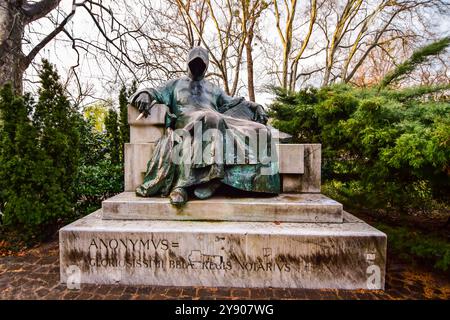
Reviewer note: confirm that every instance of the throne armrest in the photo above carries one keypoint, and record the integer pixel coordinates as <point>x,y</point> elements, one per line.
<point>300,167</point>
<point>156,117</point>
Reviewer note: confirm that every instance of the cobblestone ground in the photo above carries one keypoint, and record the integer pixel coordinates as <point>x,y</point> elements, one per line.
<point>35,275</point>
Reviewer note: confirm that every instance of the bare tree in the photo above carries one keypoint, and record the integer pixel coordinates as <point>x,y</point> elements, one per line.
<point>294,65</point>
<point>285,33</point>
<point>316,41</point>
<point>343,33</point>
<point>15,15</point>
<point>251,12</point>
<point>290,20</point>
<point>342,24</point>
<point>224,40</point>
<point>115,38</point>
<point>353,30</point>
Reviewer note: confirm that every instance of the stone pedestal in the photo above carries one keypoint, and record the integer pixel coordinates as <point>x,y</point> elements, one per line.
<point>299,239</point>
<point>283,208</point>
<point>347,255</point>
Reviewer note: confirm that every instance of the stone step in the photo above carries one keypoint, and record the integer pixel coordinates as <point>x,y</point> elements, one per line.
<point>309,207</point>
<point>348,255</point>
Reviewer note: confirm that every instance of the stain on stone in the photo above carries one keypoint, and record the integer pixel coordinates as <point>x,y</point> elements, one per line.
<point>173,255</point>
<point>235,239</point>
<point>77,257</point>
<point>290,197</point>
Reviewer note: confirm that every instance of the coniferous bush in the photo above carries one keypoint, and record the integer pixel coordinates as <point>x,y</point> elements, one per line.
<point>101,173</point>
<point>30,193</point>
<point>57,121</point>
<point>382,150</point>
<point>124,127</point>
<point>113,136</point>
<point>382,147</point>
<point>97,177</point>
<point>123,110</point>
<point>54,165</point>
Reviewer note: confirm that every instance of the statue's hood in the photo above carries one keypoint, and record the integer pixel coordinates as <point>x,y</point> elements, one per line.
<point>197,63</point>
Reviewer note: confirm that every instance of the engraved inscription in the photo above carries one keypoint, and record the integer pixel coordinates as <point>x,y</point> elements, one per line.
<point>162,253</point>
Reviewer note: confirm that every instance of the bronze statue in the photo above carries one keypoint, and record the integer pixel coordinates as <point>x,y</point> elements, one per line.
<point>197,108</point>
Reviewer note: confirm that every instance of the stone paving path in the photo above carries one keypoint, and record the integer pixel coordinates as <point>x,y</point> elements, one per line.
<point>35,275</point>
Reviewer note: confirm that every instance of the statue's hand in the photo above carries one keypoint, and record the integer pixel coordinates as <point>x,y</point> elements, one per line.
<point>143,102</point>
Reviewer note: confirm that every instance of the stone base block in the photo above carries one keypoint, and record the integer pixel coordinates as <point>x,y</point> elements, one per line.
<point>283,208</point>
<point>145,134</point>
<point>310,180</point>
<point>349,255</point>
<point>136,159</point>
<point>291,158</point>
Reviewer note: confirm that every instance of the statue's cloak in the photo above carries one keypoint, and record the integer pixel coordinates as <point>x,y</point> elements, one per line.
<point>195,106</point>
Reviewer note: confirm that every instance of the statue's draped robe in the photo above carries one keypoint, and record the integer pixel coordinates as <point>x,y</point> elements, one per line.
<point>193,102</point>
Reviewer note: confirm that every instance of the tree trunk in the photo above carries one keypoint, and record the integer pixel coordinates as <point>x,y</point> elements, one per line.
<point>327,74</point>
<point>11,33</point>
<point>293,76</point>
<point>286,52</point>
<point>250,81</point>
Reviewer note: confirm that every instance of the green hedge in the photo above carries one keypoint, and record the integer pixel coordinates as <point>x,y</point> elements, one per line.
<point>96,182</point>
<point>54,166</point>
<point>39,157</point>
<point>382,148</point>
<point>407,242</point>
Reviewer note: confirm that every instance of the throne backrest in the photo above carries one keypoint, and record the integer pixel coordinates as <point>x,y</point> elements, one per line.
<point>299,163</point>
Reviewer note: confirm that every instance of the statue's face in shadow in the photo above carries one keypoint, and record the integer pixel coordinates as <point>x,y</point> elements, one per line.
<point>197,68</point>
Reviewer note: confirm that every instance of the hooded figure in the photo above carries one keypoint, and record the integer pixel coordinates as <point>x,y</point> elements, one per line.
<point>198,61</point>
<point>211,139</point>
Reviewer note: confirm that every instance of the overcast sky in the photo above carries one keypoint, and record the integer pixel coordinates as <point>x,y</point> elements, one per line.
<point>96,74</point>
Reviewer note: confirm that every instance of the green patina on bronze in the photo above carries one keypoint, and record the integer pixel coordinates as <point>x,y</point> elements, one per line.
<point>190,100</point>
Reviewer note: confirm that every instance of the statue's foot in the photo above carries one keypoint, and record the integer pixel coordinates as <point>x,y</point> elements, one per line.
<point>206,190</point>
<point>178,197</point>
